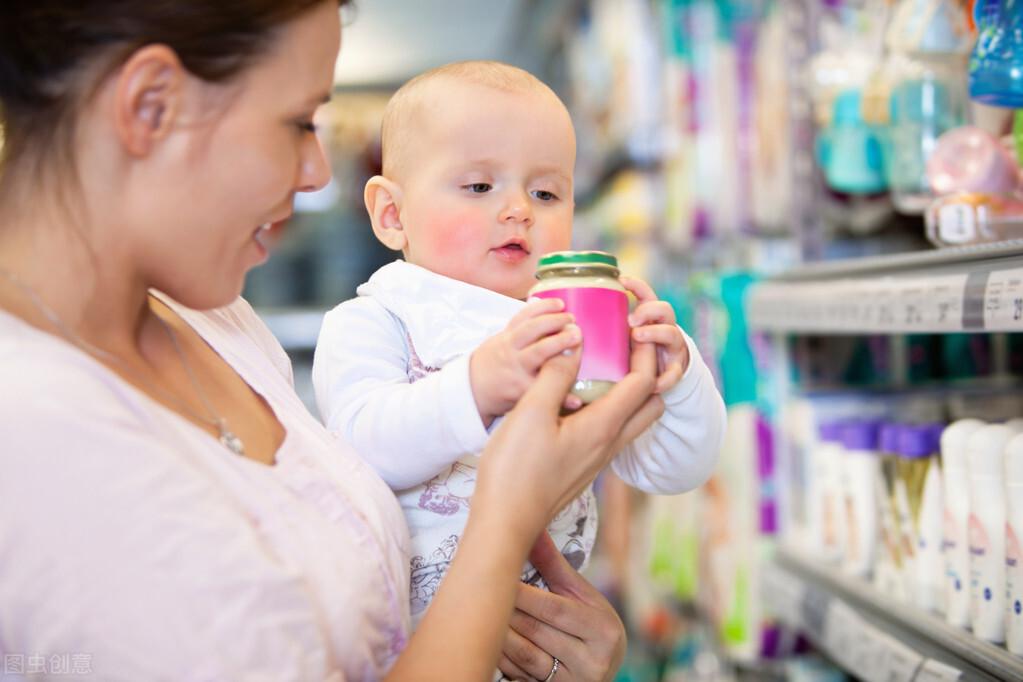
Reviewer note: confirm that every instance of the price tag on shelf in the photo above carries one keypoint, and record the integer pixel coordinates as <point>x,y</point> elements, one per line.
<point>842,630</point>
<point>943,302</point>
<point>1003,300</point>
<point>784,594</point>
<point>899,662</point>
<point>934,671</point>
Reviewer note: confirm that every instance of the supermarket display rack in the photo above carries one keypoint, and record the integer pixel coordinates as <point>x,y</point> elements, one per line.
<point>971,288</point>
<point>873,636</point>
<point>964,289</point>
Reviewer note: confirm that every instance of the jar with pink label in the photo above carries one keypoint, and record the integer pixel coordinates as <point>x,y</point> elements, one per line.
<point>587,281</point>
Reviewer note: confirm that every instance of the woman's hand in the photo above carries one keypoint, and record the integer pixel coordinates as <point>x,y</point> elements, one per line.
<point>572,622</point>
<point>537,462</point>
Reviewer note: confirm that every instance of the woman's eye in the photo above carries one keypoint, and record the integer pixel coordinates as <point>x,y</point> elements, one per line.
<point>307,126</point>
<point>478,187</point>
<point>544,195</point>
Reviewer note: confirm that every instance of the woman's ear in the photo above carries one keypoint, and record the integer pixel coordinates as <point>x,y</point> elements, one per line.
<point>383,202</point>
<point>147,97</point>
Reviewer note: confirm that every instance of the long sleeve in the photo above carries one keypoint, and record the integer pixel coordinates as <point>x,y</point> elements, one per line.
<point>679,451</point>
<point>408,432</point>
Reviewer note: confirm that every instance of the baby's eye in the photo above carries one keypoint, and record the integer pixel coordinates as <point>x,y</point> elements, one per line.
<point>307,126</point>
<point>544,195</point>
<point>478,187</point>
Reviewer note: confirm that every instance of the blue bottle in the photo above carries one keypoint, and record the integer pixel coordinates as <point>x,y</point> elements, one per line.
<point>996,65</point>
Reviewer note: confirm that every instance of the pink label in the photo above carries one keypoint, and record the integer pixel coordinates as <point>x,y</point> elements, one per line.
<point>602,315</point>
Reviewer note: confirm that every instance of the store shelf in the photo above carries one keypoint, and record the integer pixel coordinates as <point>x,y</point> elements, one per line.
<point>295,328</point>
<point>871,635</point>
<point>976,288</point>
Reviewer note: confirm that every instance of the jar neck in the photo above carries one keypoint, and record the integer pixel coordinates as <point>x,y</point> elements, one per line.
<point>577,271</point>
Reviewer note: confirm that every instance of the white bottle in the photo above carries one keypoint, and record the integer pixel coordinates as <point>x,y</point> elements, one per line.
<point>827,517</point>
<point>1013,459</point>
<point>956,500</point>
<point>930,563</point>
<point>860,466</point>
<point>985,462</point>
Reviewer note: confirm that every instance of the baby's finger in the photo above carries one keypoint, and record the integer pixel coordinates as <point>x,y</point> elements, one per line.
<point>667,336</point>
<point>528,331</point>
<point>652,312</point>
<point>640,289</point>
<point>537,306</point>
<point>671,375</point>
<point>534,355</point>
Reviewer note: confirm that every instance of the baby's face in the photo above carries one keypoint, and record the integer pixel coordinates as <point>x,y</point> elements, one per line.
<point>488,186</point>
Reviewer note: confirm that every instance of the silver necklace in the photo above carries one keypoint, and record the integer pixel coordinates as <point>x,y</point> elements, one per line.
<point>227,437</point>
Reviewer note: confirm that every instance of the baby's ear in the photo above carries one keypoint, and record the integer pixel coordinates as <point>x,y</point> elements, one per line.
<point>383,202</point>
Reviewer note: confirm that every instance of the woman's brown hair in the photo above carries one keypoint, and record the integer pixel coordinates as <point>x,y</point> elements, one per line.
<point>54,52</point>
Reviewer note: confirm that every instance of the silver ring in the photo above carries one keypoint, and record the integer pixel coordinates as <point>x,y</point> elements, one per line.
<point>554,669</point>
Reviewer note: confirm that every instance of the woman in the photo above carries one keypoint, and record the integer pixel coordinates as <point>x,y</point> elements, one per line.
<point>168,509</point>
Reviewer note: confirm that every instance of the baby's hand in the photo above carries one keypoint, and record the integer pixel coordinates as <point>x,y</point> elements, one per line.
<point>504,365</point>
<point>653,321</point>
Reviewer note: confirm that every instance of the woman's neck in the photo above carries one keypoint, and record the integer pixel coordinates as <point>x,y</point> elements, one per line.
<point>62,267</point>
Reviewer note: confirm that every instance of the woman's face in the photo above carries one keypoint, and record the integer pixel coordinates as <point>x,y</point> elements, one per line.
<point>238,169</point>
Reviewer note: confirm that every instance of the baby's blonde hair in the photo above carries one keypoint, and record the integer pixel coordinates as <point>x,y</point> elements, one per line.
<point>397,131</point>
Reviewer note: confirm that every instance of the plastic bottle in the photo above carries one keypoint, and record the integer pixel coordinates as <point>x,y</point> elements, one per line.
<point>910,472</point>
<point>996,65</point>
<point>985,461</point>
<point>1013,459</point>
<point>826,517</point>
<point>930,564</point>
<point>956,499</point>
<point>587,281</point>
<point>888,567</point>
<point>860,466</point>
<point>967,218</point>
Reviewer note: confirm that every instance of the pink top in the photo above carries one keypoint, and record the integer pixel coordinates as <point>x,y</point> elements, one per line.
<point>134,544</point>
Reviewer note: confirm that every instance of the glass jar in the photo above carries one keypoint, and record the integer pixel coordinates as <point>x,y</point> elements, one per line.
<point>587,281</point>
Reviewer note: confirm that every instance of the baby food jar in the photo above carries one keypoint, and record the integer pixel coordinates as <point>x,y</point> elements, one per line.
<point>587,281</point>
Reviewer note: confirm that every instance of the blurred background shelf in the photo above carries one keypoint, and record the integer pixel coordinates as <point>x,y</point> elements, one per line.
<point>974,288</point>
<point>873,636</point>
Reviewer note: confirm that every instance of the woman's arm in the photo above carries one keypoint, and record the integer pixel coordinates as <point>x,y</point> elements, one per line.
<point>534,464</point>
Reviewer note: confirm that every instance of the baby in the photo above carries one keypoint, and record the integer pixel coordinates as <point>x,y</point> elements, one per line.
<point>477,177</point>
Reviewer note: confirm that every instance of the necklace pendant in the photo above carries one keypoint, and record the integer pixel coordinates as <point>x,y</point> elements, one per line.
<point>230,441</point>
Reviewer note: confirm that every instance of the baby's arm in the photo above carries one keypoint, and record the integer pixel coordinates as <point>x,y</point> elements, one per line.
<point>677,453</point>
<point>408,432</point>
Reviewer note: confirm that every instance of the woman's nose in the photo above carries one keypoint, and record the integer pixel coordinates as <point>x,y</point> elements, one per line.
<point>314,172</point>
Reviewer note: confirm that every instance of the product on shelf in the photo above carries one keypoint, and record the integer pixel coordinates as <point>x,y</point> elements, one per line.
<point>1013,551</point>
<point>826,493</point>
<point>930,565</point>
<point>888,570</point>
<point>970,159</point>
<point>957,514</point>
<point>996,65</point>
<point>850,151</point>
<point>859,466</point>
<point>974,218</point>
<point>985,461</point>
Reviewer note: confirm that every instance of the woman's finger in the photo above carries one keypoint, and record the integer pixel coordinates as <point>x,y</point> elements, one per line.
<point>512,671</point>
<point>545,396</point>
<point>528,656</point>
